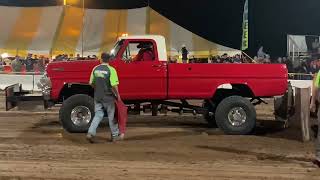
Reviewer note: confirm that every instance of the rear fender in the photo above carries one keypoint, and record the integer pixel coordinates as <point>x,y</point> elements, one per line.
<point>226,90</point>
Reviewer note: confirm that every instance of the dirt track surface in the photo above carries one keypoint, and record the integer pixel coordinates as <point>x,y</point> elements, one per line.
<point>164,147</point>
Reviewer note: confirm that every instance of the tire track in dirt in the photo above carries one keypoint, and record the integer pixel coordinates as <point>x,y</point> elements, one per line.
<point>123,170</point>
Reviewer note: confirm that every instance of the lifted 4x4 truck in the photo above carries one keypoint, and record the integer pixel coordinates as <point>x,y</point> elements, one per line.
<point>229,91</point>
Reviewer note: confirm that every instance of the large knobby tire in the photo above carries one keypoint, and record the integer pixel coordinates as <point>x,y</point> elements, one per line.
<point>77,113</point>
<point>235,115</point>
<point>209,116</point>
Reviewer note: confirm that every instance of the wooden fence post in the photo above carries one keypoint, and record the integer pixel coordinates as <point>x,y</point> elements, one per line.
<point>302,112</point>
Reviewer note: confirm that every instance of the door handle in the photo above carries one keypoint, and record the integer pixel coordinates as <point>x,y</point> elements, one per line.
<point>58,69</point>
<point>157,66</point>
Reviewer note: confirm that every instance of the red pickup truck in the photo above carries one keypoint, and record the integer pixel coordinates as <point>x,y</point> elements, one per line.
<point>229,91</point>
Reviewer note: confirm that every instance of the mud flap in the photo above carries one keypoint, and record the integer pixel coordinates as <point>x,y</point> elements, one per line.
<point>284,106</point>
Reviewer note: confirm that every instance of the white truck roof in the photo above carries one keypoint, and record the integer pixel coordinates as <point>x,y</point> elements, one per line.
<point>160,40</point>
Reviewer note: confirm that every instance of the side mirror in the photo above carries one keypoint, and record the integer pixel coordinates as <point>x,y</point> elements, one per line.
<point>127,59</point>
<point>112,57</point>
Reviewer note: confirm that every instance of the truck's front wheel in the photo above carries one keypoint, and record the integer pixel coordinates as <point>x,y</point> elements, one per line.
<point>76,113</point>
<point>236,115</point>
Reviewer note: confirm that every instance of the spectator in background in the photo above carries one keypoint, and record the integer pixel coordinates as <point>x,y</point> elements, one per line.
<point>172,59</point>
<point>65,57</point>
<point>237,59</point>
<point>267,59</point>
<point>29,63</point>
<point>71,57</point>
<point>214,59</point>
<point>289,64</point>
<point>1,64</point>
<point>261,54</point>
<point>219,60</point>
<point>56,58</point>
<point>284,60</point>
<point>36,68</point>
<point>78,57</point>
<point>7,61</point>
<point>184,53</point>
<point>60,57</point>
<point>279,60</point>
<point>41,64</point>
<point>47,61</point>
<point>225,59</point>
<point>245,60</point>
<point>313,68</point>
<point>94,57</point>
<point>304,69</point>
<point>192,59</point>
<point>35,58</point>
<point>315,47</point>
<point>16,64</point>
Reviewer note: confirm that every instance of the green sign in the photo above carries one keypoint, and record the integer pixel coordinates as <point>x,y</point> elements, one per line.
<point>245,27</point>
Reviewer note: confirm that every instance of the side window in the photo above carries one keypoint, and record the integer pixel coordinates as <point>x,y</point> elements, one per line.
<point>139,51</point>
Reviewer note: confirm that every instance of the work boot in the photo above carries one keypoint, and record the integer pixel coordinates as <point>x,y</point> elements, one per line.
<point>316,162</point>
<point>117,138</point>
<point>90,138</point>
<point>121,136</point>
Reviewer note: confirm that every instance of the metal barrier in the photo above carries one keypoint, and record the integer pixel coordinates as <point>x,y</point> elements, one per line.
<point>300,76</point>
<point>29,80</point>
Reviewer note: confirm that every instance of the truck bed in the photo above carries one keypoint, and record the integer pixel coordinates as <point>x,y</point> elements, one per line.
<point>202,80</point>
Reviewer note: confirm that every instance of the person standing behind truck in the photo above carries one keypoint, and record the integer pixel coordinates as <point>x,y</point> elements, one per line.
<point>104,80</point>
<point>16,64</point>
<point>29,63</point>
<point>184,53</point>
<point>315,95</point>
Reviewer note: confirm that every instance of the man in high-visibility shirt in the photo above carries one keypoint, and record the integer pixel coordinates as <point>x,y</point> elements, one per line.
<point>105,81</point>
<point>315,97</point>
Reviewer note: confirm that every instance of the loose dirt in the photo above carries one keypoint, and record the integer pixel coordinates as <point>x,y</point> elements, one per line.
<point>34,146</point>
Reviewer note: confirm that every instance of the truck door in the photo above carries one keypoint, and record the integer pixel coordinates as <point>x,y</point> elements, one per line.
<point>141,74</point>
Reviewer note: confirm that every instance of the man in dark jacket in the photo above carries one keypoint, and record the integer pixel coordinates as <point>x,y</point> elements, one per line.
<point>184,53</point>
<point>29,63</point>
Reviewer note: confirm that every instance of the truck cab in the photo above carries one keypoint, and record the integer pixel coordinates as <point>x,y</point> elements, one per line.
<point>135,69</point>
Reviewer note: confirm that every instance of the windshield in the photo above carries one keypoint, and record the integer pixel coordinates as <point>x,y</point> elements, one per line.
<point>116,48</point>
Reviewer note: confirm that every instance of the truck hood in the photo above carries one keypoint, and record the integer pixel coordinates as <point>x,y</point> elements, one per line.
<point>71,66</point>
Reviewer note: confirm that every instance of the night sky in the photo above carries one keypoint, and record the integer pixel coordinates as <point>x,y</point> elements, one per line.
<point>221,20</point>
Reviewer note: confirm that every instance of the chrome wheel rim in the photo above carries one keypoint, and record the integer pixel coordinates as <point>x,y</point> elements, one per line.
<point>237,116</point>
<point>81,115</point>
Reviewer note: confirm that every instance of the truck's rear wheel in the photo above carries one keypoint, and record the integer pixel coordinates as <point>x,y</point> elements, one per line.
<point>76,113</point>
<point>209,116</point>
<point>236,115</point>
